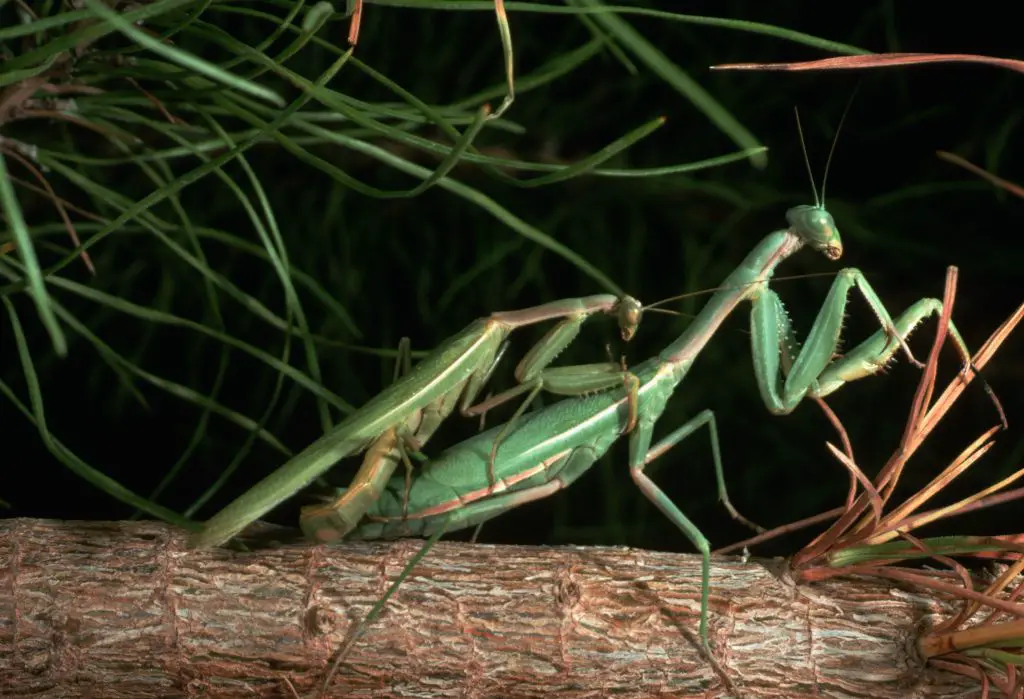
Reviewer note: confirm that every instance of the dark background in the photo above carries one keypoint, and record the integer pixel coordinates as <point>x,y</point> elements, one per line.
<point>416,267</point>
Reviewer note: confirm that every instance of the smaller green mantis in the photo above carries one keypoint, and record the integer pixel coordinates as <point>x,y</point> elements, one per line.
<point>457,369</point>
<point>550,448</point>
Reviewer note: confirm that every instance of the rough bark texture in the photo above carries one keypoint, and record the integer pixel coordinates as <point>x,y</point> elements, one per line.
<point>124,610</point>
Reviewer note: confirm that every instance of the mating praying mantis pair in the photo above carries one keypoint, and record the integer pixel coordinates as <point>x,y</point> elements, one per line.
<point>548,449</point>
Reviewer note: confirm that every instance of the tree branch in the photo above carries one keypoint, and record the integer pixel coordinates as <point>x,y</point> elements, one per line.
<point>124,610</point>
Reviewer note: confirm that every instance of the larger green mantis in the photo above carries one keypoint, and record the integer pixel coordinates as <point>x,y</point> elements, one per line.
<point>453,374</point>
<point>552,447</point>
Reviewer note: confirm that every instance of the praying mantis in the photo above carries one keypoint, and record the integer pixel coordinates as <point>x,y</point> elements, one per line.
<point>457,369</point>
<point>552,447</point>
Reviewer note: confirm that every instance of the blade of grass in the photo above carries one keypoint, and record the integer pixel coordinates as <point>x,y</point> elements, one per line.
<point>184,59</point>
<point>156,316</point>
<point>119,363</point>
<point>675,76</point>
<point>720,22</point>
<point>37,416</point>
<point>27,252</point>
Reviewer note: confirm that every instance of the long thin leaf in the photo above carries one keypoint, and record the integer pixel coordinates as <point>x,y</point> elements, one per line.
<point>37,415</point>
<point>33,273</point>
<point>183,58</point>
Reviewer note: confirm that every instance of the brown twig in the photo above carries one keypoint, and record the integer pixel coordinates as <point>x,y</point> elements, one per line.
<point>107,609</point>
<point>1010,187</point>
<point>878,60</point>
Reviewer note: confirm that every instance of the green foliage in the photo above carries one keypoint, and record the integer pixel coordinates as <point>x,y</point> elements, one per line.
<point>268,210</point>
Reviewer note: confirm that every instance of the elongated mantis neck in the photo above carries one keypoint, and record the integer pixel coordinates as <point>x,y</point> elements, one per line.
<point>743,283</point>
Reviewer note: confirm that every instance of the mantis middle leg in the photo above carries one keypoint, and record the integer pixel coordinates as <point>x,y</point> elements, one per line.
<point>331,521</point>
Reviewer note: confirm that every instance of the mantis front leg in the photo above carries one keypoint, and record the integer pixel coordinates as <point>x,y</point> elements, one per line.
<point>332,521</point>
<point>811,370</point>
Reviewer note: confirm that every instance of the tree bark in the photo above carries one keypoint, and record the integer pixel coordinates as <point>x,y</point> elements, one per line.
<point>113,610</point>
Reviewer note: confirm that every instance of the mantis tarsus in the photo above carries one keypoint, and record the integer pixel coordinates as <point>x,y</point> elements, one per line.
<point>552,447</point>
<point>456,370</point>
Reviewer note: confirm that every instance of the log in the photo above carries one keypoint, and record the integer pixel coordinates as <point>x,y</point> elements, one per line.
<point>124,609</point>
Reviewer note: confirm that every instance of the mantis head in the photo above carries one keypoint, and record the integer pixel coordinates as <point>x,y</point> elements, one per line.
<point>629,313</point>
<point>816,228</point>
<point>813,224</point>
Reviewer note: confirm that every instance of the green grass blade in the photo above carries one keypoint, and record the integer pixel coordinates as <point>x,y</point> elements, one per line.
<point>120,364</point>
<point>11,77</point>
<point>89,32</point>
<point>484,202</point>
<point>721,22</point>
<point>184,59</point>
<point>37,415</point>
<point>33,273</point>
<point>675,76</point>
<point>604,154</point>
<point>462,143</point>
<point>165,318</point>
<point>229,471</point>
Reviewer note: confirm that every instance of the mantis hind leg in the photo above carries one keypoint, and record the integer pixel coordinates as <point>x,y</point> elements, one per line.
<point>641,453</point>
<point>566,471</point>
<point>704,417</point>
<point>333,520</point>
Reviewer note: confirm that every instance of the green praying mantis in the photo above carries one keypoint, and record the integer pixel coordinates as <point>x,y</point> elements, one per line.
<point>550,448</point>
<point>452,375</point>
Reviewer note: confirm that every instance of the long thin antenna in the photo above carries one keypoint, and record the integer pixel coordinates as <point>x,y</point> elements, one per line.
<point>807,161</point>
<point>709,291</point>
<point>835,139</point>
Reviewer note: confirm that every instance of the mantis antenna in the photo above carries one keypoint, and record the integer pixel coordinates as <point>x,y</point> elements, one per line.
<point>807,161</point>
<point>835,139</point>
<point>831,150</point>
